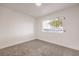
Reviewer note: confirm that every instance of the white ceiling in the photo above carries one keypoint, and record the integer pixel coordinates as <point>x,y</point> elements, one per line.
<point>35,11</point>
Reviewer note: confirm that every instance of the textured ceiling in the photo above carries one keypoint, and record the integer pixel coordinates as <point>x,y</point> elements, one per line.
<point>35,11</point>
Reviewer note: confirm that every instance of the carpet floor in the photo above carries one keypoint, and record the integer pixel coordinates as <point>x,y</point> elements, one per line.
<point>38,48</point>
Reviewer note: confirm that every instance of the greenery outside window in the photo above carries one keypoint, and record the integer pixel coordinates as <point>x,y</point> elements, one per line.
<point>53,25</point>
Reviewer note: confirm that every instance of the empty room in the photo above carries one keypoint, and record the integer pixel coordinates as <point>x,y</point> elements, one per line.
<point>39,29</point>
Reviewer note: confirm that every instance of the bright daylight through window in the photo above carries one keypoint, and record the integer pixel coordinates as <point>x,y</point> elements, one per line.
<point>53,25</point>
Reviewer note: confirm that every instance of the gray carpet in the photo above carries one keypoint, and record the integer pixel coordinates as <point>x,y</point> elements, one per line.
<point>38,48</point>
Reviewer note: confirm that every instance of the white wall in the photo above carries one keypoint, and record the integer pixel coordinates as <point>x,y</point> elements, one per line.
<point>15,27</point>
<point>71,24</point>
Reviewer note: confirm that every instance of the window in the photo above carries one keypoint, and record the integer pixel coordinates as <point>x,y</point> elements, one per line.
<point>53,25</point>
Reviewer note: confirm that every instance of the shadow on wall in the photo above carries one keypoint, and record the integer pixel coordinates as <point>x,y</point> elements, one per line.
<point>9,41</point>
